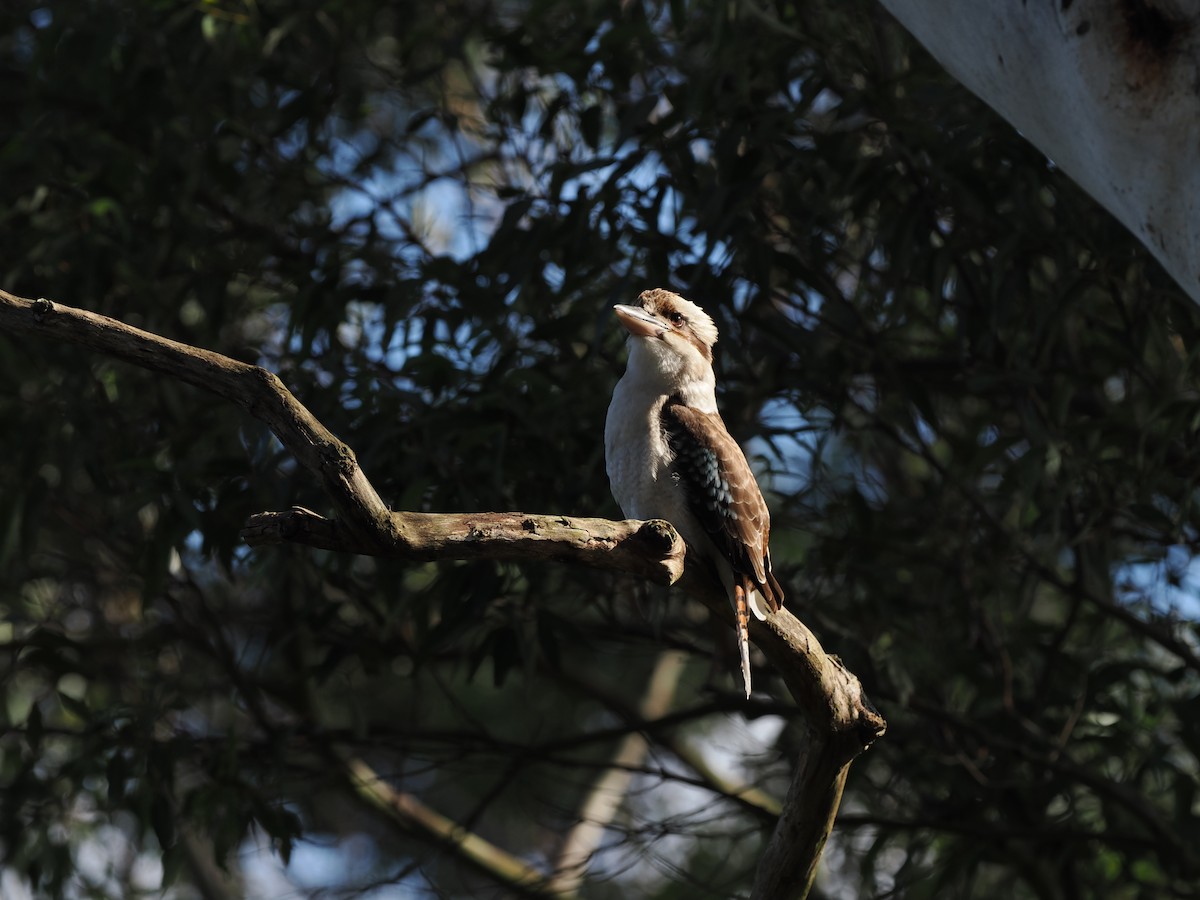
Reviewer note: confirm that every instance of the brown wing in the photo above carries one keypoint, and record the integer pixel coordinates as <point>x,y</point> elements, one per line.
<point>723,495</point>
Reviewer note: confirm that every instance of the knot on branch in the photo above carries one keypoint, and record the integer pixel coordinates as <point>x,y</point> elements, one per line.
<point>867,727</point>
<point>658,536</point>
<point>42,308</point>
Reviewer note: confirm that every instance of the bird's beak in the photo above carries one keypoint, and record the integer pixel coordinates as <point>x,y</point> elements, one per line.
<point>638,322</point>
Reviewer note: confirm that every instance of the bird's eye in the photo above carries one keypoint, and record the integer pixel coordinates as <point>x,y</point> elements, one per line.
<point>675,318</point>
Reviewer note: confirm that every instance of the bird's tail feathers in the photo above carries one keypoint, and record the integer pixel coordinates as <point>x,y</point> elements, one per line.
<point>767,595</point>
<point>742,614</point>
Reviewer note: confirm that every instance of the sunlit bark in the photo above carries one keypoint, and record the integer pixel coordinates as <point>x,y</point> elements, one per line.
<point>1107,89</point>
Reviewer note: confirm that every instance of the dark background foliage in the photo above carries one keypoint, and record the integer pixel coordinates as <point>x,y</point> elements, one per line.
<point>972,396</point>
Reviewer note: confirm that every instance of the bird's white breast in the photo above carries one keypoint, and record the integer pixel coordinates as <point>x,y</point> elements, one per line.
<point>635,452</point>
<point>638,460</point>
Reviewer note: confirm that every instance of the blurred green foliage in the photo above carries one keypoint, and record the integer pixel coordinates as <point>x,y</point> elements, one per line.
<point>972,395</point>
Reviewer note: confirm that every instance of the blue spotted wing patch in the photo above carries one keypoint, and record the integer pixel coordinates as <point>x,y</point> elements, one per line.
<point>698,469</point>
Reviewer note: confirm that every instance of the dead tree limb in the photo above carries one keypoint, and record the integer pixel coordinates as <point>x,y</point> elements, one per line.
<point>840,720</point>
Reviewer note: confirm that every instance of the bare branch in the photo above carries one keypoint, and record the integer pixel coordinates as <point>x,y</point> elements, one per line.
<point>414,816</point>
<point>253,388</point>
<point>840,719</point>
<point>651,550</point>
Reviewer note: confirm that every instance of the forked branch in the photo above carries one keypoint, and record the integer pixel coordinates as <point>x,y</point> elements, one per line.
<point>841,722</point>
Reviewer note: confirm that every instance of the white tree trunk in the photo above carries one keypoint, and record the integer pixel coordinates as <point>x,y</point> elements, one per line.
<point>1107,89</point>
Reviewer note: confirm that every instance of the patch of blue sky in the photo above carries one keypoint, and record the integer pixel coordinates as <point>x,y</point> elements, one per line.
<point>451,216</point>
<point>1170,585</point>
<point>418,214</point>
<point>790,446</point>
<point>335,866</point>
<point>926,433</point>
<point>802,307</point>
<point>404,202</point>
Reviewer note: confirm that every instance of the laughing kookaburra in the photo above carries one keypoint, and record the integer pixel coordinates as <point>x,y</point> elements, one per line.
<point>669,456</point>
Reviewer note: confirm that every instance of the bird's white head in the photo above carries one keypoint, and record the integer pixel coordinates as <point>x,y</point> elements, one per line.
<point>671,341</point>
